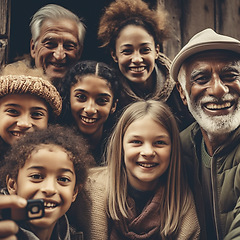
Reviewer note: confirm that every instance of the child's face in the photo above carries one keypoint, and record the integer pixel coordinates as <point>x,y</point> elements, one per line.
<point>91,103</point>
<point>135,54</point>
<point>21,113</point>
<point>48,174</point>
<point>147,151</point>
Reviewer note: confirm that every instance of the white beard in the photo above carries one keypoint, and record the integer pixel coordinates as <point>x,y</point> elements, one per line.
<point>214,125</point>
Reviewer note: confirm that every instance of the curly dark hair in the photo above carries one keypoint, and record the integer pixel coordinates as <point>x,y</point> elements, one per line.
<point>83,68</point>
<point>135,12</point>
<point>64,137</point>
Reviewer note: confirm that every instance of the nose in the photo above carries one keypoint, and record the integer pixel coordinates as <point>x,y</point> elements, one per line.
<point>24,121</point>
<point>90,107</point>
<point>48,187</point>
<point>147,150</point>
<point>59,52</point>
<point>217,88</point>
<point>137,57</point>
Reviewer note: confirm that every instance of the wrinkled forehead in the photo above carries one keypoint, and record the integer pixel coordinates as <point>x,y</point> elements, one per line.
<point>60,26</point>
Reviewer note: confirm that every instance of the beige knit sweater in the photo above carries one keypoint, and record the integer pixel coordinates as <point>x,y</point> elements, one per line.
<point>91,211</point>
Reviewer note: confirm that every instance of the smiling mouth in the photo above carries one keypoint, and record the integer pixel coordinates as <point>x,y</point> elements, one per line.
<point>147,165</point>
<point>222,106</point>
<point>58,65</point>
<point>88,120</point>
<point>137,69</point>
<point>17,134</point>
<point>50,205</point>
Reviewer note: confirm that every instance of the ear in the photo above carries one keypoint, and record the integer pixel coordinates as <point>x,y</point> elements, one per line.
<point>157,49</point>
<point>11,185</point>
<point>114,106</point>
<point>32,48</point>
<point>114,57</point>
<point>76,190</point>
<point>182,93</point>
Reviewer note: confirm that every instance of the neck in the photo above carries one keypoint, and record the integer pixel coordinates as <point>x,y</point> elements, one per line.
<point>212,142</point>
<point>43,233</point>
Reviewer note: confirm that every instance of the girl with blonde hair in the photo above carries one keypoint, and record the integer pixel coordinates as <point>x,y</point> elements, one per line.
<point>142,193</point>
<point>147,195</point>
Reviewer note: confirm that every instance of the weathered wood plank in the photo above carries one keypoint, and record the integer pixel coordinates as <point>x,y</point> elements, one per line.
<point>196,16</point>
<point>4,17</point>
<point>228,17</point>
<point>3,47</point>
<point>173,44</point>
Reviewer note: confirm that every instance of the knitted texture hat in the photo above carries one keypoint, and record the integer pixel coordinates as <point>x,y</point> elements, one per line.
<point>22,84</point>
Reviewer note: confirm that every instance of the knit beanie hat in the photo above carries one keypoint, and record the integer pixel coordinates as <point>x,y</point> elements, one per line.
<point>24,84</point>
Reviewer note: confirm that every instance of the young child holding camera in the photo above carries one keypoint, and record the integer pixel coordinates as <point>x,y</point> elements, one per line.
<point>48,165</point>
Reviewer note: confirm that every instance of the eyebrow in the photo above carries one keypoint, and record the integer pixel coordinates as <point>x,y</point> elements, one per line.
<point>43,168</point>
<point>19,106</point>
<point>234,68</point>
<point>50,38</point>
<point>195,73</point>
<point>84,91</point>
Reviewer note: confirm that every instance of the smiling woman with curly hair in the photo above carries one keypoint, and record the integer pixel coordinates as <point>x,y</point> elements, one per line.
<point>133,35</point>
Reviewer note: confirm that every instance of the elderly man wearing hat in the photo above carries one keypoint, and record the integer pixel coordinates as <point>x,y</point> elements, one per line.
<point>207,72</point>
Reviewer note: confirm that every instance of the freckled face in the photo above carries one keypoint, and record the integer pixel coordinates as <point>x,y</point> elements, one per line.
<point>135,54</point>
<point>57,48</point>
<point>147,151</point>
<point>91,102</point>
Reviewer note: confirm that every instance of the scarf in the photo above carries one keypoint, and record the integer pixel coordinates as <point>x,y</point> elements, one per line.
<point>144,226</point>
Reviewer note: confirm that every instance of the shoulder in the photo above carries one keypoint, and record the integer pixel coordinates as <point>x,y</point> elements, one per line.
<point>189,227</point>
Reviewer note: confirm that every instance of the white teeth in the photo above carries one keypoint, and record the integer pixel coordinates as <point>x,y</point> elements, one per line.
<point>88,120</point>
<point>49,205</point>
<point>213,106</point>
<point>17,134</point>
<point>137,69</point>
<point>147,165</point>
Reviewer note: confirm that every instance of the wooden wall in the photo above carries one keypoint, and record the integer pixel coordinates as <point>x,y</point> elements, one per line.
<point>4,29</point>
<point>187,17</point>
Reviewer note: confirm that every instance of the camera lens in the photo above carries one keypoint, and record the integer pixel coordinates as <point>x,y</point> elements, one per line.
<point>35,209</point>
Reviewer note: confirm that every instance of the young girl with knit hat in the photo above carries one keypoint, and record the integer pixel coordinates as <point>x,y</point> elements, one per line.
<point>27,102</point>
<point>134,34</point>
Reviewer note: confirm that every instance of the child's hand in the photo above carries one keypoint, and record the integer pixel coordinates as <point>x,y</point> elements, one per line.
<point>9,228</point>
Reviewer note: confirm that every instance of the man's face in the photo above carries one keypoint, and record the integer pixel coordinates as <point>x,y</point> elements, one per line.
<point>212,90</point>
<point>57,47</point>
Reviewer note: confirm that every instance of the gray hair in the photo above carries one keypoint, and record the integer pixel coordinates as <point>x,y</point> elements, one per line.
<point>53,11</point>
<point>182,77</point>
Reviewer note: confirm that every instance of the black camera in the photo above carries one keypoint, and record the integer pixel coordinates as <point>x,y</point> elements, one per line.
<point>33,210</point>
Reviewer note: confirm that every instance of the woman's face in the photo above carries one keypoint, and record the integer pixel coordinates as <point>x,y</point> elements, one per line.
<point>91,102</point>
<point>135,54</point>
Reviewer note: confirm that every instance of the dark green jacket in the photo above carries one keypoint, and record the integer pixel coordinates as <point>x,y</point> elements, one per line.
<point>225,174</point>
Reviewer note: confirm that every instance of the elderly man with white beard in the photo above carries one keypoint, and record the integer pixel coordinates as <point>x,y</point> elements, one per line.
<point>207,74</point>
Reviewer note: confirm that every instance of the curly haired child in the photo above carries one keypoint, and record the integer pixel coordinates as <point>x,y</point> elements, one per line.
<point>48,165</point>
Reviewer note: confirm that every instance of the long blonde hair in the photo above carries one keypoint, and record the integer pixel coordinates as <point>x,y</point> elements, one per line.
<point>174,196</point>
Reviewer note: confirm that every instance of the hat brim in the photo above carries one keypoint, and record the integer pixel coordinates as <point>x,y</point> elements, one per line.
<point>184,54</point>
